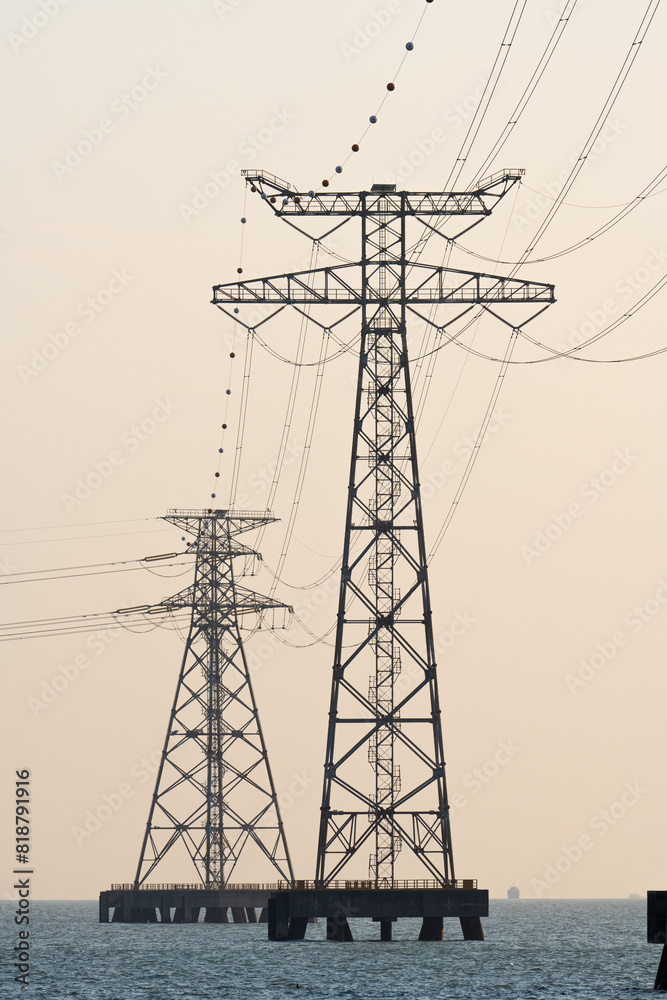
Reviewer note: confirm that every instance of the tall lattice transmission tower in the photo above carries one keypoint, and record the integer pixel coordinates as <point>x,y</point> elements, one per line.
<point>215,799</point>
<point>384,787</point>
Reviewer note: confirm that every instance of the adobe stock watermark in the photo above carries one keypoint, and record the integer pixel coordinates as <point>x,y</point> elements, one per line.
<point>32,24</point>
<point>434,480</point>
<point>367,32</point>
<point>86,312</point>
<point>625,289</point>
<point>537,204</point>
<point>248,150</point>
<point>7,567</point>
<point>600,825</point>
<point>454,117</point>
<point>479,777</point>
<point>296,789</point>
<point>130,442</point>
<point>67,673</point>
<point>120,109</point>
<point>225,7</point>
<point>591,491</point>
<point>553,16</point>
<point>636,619</point>
<point>111,802</point>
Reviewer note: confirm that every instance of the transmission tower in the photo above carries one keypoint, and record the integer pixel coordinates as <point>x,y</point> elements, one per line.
<point>384,712</point>
<point>214,793</point>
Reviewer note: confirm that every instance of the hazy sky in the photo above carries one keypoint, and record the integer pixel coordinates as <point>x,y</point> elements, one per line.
<point>125,130</point>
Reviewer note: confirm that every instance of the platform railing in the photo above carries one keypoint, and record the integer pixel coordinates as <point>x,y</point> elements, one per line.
<point>469,883</point>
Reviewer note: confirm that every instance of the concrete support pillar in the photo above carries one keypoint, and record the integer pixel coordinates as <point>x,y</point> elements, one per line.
<point>165,910</point>
<point>472,929</point>
<point>431,929</point>
<point>661,978</point>
<point>104,908</point>
<point>297,928</point>
<point>264,915</point>
<point>385,930</point>
<point>216,915</point>
<point>239,915</point>
<point>338,929</point>
<point>278,918</point>
<point>251,913</point>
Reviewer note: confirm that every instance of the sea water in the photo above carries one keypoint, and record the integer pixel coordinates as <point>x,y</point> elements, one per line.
<point>580,949</point>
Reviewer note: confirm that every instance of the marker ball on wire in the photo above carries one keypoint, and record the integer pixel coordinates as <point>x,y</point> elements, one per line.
<point>244,220</point>
<point>355,148</point>
<point>372,119</point>
<point>339,170</point>
<point>325,183</point>
<point>232,355</point>
<point>212,496</point>
<point>239,270</point>
<point>217,475</point>
<point>224,427</point>
<point>391,86</point>
<point>236,310</point>
<point>228,392</point>
<point>409,46</point>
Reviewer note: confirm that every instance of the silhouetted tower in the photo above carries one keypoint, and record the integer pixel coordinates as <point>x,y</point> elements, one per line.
<point>214,794</point>
<point>385,706</point>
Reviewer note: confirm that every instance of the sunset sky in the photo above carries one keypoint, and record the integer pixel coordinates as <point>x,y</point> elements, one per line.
<point>126,128</point>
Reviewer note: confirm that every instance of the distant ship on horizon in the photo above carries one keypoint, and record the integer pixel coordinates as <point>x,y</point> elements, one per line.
<point>513,893</point>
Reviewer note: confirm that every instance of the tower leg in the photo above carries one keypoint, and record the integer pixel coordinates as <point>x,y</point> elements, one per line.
<point>472,929</point>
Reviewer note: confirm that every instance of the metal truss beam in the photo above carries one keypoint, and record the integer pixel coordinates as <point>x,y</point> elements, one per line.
<point>285,201</point>
<point>433,284</point>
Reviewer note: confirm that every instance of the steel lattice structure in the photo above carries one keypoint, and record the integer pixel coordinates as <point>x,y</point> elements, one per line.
<point>214,793</point>
<point>385,705</point>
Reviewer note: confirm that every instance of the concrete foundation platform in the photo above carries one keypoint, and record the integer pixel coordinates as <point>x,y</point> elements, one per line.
<point>184,905</point>
<point>291,909</point>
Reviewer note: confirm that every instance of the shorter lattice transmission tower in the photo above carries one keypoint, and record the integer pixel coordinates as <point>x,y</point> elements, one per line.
<point>214,795</point>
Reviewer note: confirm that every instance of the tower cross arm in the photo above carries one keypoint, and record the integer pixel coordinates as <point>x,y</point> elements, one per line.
<point>426,283</point>
<point>248,601</point>
<point>382,198</point>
